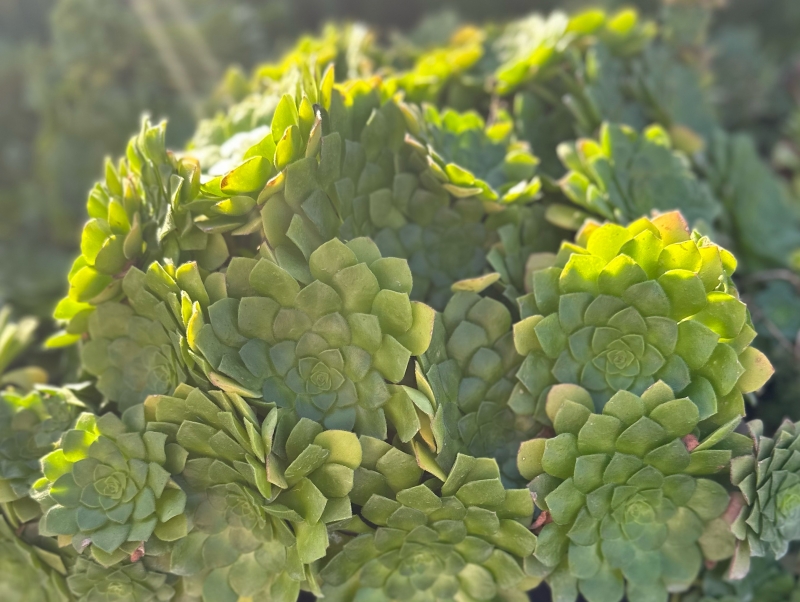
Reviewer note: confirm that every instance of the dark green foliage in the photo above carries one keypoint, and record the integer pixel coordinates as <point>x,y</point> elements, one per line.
<point>769,581</point>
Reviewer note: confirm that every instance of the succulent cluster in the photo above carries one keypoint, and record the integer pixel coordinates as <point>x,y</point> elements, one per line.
<point>424,325</point>
<point>263,492</point>
<point>625,175</point>
<point>32,424</point>
<point>626,306</point>
<point>462,538</point>
<point>328,350</point>
<point>470,366</point>
<point>628,510</point>
<point>106,487</point>
<point>769,481</point>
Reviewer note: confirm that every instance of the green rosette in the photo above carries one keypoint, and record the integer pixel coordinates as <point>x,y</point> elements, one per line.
<point>626,510</point>
<point>263,493</point>
<point>91,582</point>
<point>153,207</point>
<point>330,350</point>
<point>138,348</point>
<point>138,214</point>
<point>131,356</point>
<point>108,488</point>
<point>769,481</point>
<point>449,75</point>
<point>476,155</point>
<point>358,163</point>
<point>457,539</point>
<point>268,159</point>
<point>571,73</point>
<point>624,307</point>
<point>31,426</point>
<point>625,174</point>
<point>248,104</point>
<point>471,367</point>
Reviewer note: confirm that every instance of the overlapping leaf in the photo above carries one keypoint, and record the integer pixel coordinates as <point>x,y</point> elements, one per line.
<point>626,514</point>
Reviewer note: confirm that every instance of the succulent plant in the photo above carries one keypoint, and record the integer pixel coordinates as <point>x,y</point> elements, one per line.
<point>487,156</point>
<point>471,366</point>
<point>625,175</point>
<point>769,479</point>
<point>366,176</point>
<point>526,233</point>
<point>533,49</point>
<point>526,46</point>
<point>279,162</point>
<point>132,356</point>
<point>325,350</point>
<point>437,541</point>
<point>288,416</point>
<point>571,74</point>
<point>249,103</point>
<point>627,306</point>
<point>138,348</point>
<point>30,427</point>
<point>448,75</point>
<point>436,209</point>
<point>106,487</point>
<point>138,214</point>
<point>30,573</point>
<point>91,582</point>
<point>338,163</point>
<point>264,492</point>
<point>627,513</point>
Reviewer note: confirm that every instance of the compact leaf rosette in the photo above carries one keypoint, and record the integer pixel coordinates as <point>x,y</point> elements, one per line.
<point>429,540</point>
<point>138,214</point>
<point>32,424</point>
<point>127,583</point>
<point>131,356</point>
<point>624,175</point>
<point>330,350</point>
<point>263,493</point>
<point>106,487</point>
<point>350,161</point>
<point>627,510</point>
<point>626,306</point>
<point>470,367</point>
<point>769,480</point>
